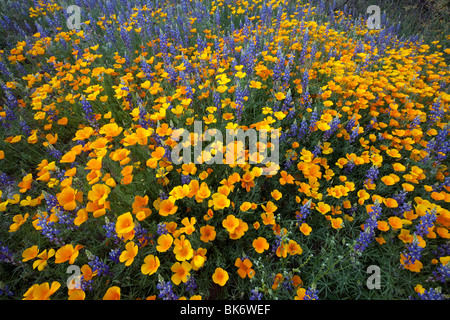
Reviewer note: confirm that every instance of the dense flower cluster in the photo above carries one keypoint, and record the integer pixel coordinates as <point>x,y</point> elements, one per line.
<point>90,119</point>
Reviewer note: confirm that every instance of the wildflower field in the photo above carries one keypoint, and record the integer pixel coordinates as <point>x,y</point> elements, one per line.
<point>94,205</point>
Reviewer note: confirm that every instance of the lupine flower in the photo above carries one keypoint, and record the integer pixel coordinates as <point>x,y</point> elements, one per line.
<point>362,129</point>
<point>368,234</point>
<point>255,294</point>
<point>311,294</point>
<point>114,255</point>
<point>87,108</point>
<point>99,268</point>
<point>426,222</point>
<point>431,294</point>
<point>166,290</point>
<point>442,273</point>
<point>6,291</point>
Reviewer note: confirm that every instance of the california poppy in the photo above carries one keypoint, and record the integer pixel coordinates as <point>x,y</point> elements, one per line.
<point>127,256</point>
<point>220,276</point>
<point>181,272</point>
<point>151,265</point>
<point>260,244</point>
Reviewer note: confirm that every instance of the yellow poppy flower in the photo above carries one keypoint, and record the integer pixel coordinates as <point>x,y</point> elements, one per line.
<point>220,276</point>
<point>129,253</point>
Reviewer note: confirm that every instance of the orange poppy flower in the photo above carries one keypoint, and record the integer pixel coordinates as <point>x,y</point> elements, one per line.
<point>208,233</point>
<point>390,203</point>
<point>125,226</point>
<point>30,253</point>
<point>183,251</point>
<point>25,184</point>
<point>41,263</point>
<point>398,167</point>
<point>363,196</point>
<point>220,201</point>
<point>443,233</point>
<point>245,268</point>
<point>382,225</point>
<point>336,223</point>
<point>84,133</point>
<point>167,207</point>
<point>230,223</point>
<point>151,265</point>
<point>220,276</point>
<point>209,214</point>
<point>67,253</point>
<point>18,221</point>
<point>301,292</point>
<point>94,164</point>
<point>240,230</point>
<point>270,207</point>
<point>260,244</point>
<point>99,194</point>
<point>413,267</point>
<point>158,153</point>
<point>390,179</point>
<point>268,218</point>
<point>323,208</point>
<point>393,153</point>
<point>277,195</point>
<point>129,253</point>
<point>181,272</point>
<point>203,192</point>
<point>247,181</point>
<point>67,198</point>
<point>395,222</point>
<point>405,236</point>
<point>293,248</point>
<point>286,178</point>
<point>280,96</point>
<point>76,294</point>
<point>87,272</point>
<point>110,130</point>
<point>245,206</point>
<point>164,242</point>
<point>305,229</point>
<point>112,293</point>
<point>68,157</point>
<point>41,291</point>
<point>188,225</point>
<point>199,258</point>
<point>277,281</point>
